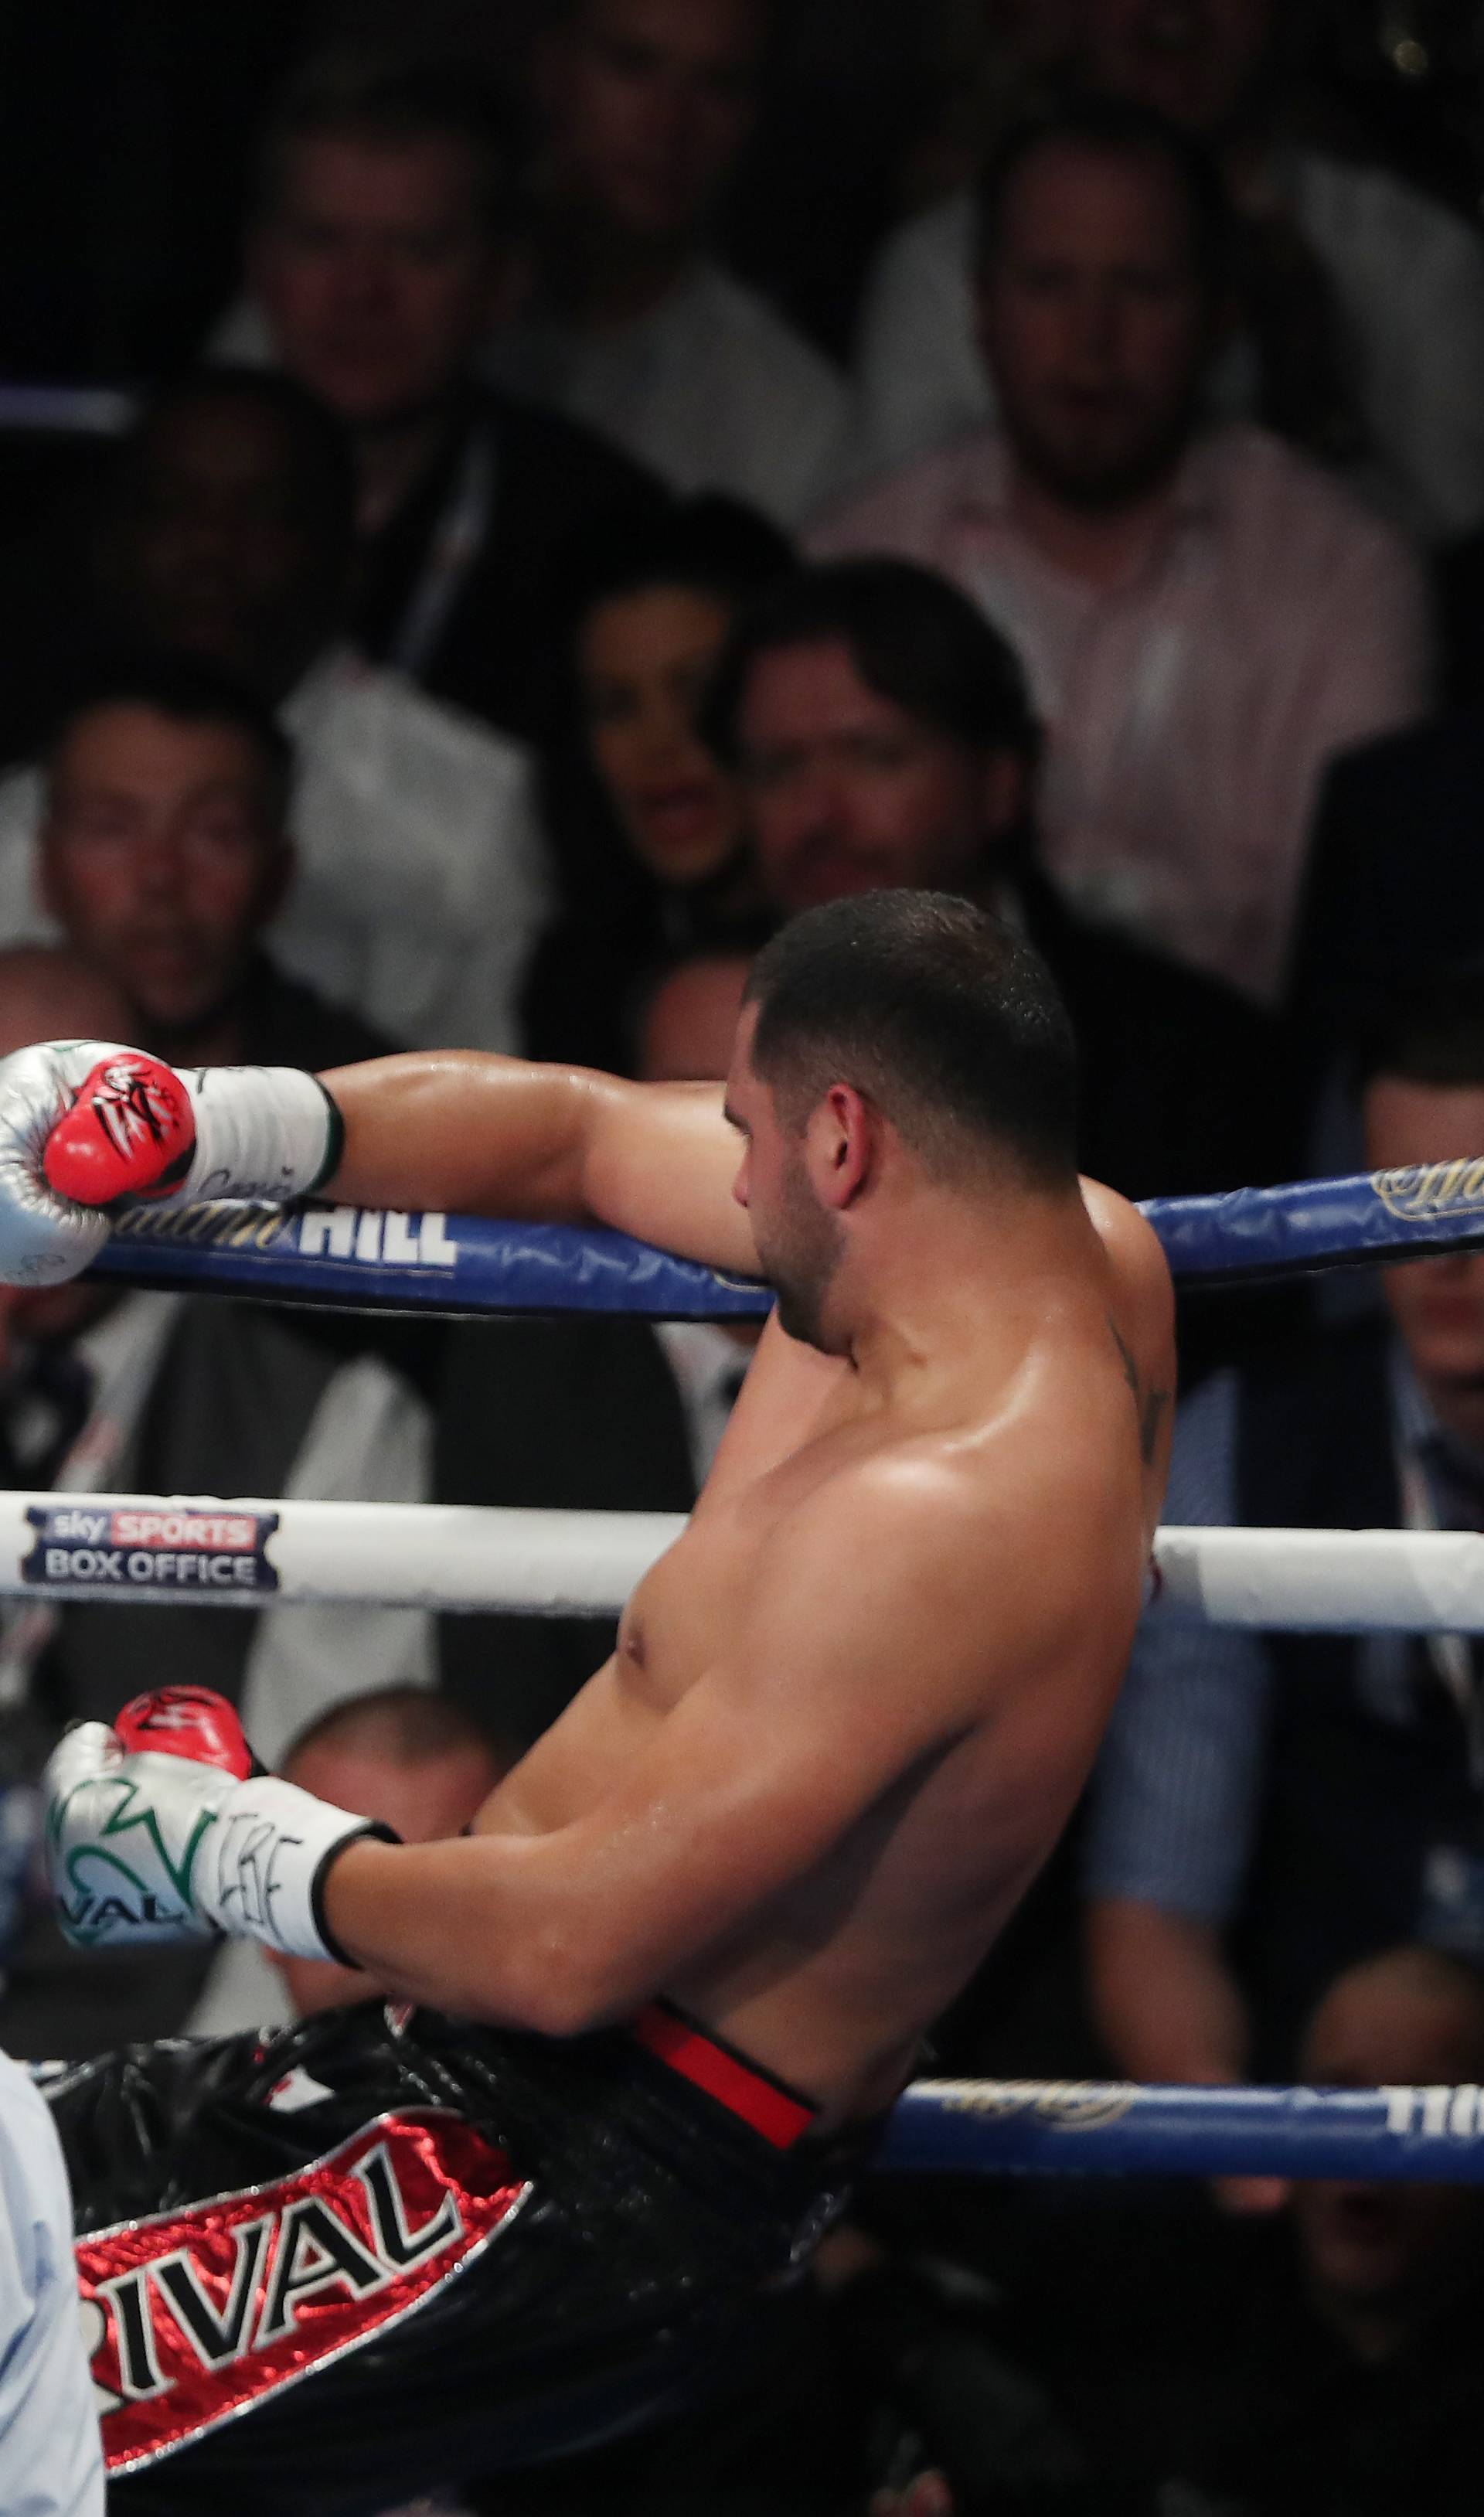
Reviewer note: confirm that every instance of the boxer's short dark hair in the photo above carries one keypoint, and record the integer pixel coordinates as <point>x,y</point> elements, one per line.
<point>189,692</point>
<point>913,638</point>
<point>1114,127</point>
<point>939,1014</point>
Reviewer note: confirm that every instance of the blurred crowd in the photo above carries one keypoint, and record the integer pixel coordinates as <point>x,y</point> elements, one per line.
<point>663,464</point>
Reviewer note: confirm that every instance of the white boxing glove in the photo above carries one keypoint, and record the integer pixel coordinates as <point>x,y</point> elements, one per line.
<point>84,1124</point>
<point>158,1830</point>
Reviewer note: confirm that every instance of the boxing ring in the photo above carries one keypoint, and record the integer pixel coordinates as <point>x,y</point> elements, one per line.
<point>250,1552</point>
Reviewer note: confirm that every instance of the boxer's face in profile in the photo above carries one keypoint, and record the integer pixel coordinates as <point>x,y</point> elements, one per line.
<point>162,858</point>
<point>850,792</point>
<point>800,1242</point>
<point>1438,1304</point>
<point>1096,321</point>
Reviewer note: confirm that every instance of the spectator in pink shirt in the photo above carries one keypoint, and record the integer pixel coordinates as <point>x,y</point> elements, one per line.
<point>1205,615</point>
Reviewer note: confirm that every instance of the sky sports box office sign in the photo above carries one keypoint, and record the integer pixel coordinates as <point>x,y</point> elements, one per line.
<point>107,1550</point>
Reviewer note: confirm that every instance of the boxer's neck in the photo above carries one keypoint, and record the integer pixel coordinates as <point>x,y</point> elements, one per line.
<point>955,1285</point>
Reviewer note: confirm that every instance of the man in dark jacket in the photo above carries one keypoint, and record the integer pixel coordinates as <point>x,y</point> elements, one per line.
<point>884,733</point>
<point>1395,885</point>
<point>377,258</point>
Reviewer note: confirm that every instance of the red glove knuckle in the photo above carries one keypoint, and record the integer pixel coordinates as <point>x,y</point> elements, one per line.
<point>130,1132</point>
<point>186,1722</point>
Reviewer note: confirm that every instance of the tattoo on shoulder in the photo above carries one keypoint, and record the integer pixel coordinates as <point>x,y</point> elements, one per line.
<point>1150,1404</point>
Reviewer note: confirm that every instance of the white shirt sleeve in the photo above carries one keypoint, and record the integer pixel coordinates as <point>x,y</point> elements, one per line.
<point>51,2457</point>
<point>422,881</point>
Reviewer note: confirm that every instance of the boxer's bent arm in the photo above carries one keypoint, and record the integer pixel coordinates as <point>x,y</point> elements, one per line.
<point>475,1135</point>
<point>860,1662</point>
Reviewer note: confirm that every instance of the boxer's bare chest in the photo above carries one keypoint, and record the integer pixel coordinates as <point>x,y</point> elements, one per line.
<point>797,1427</point>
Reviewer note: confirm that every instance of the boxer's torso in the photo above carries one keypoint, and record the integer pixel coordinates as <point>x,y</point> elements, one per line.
<point>1043,1459</point>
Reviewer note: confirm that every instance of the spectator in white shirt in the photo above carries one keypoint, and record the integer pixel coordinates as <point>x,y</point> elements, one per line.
<point>164,853</point>
<point>378,249</point>
<point>1205,615</point>
<point>633,326</point>
<point>422,880</point>
<point>1362,301</point>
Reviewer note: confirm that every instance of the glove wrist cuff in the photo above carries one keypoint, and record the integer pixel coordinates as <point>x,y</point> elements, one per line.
<point>372,1832</point>
<point>261,1131</point>
<point>263,1875</point>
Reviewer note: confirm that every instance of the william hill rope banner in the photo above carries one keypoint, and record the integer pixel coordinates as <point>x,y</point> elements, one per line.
<point>373,1260</point>
<point>1041,2127</point>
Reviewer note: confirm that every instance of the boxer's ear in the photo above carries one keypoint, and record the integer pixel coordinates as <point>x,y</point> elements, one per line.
<point>842,1146</point>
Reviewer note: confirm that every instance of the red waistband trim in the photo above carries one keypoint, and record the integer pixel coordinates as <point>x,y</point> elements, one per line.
<point>770,2109</point>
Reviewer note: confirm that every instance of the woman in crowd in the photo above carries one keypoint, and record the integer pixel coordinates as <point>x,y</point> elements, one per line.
<point>644,824</point>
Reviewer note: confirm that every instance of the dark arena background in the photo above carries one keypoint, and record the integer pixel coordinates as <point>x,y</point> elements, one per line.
<point>505,507</point>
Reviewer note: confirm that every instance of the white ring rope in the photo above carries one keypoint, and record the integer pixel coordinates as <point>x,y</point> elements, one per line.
<point>559,1563</point>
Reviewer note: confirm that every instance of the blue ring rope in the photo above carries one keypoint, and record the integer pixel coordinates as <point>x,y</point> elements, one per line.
<point>455,1264</point>
<point>1112,2128</point>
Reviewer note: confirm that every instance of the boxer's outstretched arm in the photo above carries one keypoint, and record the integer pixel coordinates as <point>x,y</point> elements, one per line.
<point>475,1135</point>
<point>805,1728</point>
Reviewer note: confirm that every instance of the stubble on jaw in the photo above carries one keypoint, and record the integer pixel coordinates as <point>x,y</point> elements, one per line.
<point>802,1259</point>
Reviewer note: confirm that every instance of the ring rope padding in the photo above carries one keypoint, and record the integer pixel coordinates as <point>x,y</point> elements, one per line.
<point>1116,2128</point>
<point>1411,2135</point>
<point>467,1557</point>
<point>377,1259</point>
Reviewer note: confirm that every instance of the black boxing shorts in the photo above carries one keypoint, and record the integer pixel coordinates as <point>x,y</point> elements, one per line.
<point>385,2250</point>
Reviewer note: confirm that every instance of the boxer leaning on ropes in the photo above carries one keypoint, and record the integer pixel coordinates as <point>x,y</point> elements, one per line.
<point>684,1962</point>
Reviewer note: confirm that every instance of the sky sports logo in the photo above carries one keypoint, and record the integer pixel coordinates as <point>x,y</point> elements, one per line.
<point>108,1553</point>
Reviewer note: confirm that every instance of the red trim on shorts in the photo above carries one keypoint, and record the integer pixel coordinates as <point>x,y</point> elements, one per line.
<point>772,2110</point>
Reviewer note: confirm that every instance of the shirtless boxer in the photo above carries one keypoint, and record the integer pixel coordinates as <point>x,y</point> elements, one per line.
<point>848,1715</point>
